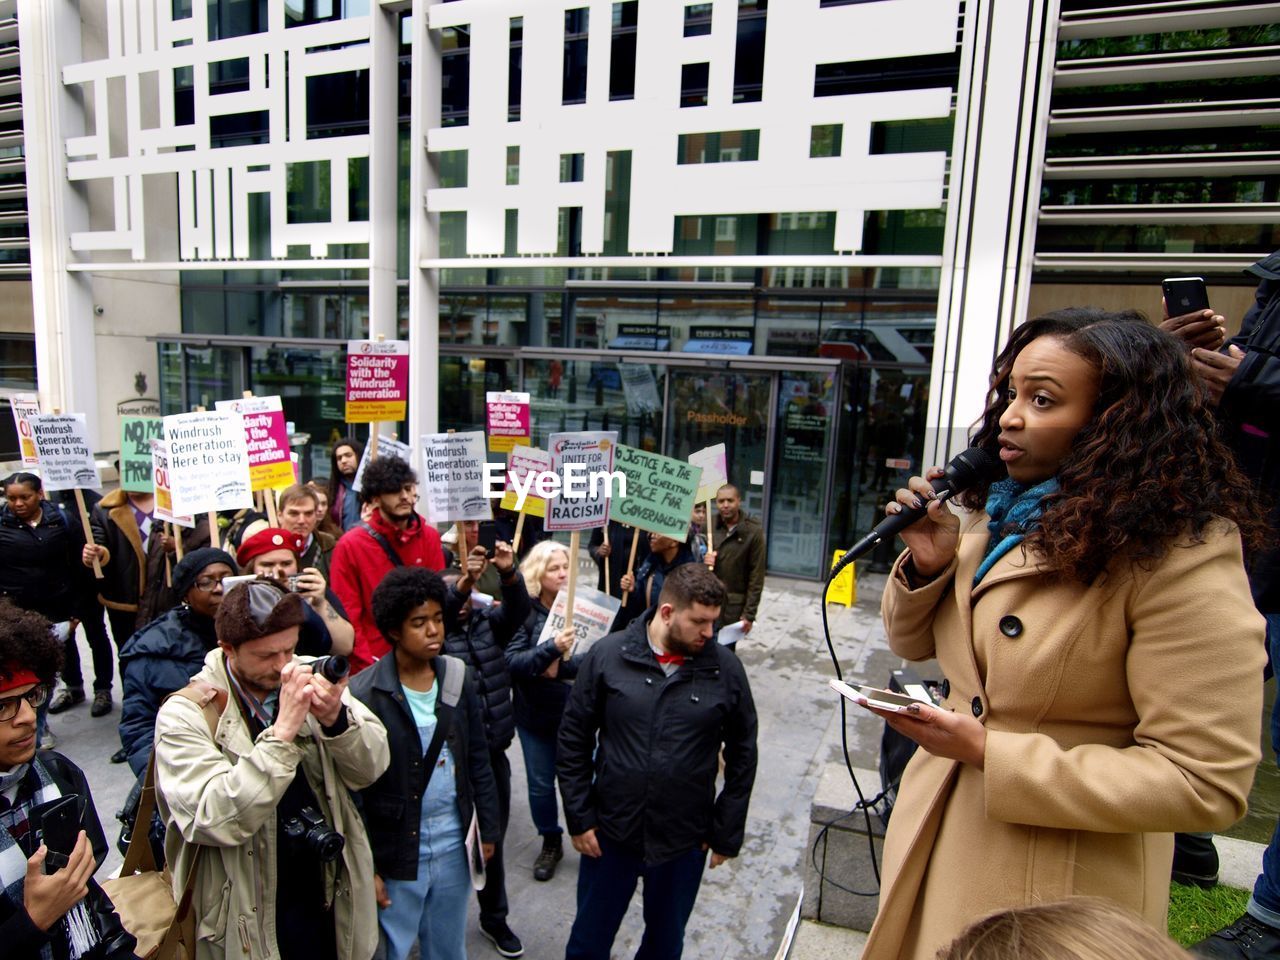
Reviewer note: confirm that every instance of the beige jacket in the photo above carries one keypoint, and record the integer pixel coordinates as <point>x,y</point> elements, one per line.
<point>1117,713</point>
<point>222,794</point>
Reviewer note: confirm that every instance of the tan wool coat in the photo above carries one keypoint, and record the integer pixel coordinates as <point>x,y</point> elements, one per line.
<point>1117,713</point>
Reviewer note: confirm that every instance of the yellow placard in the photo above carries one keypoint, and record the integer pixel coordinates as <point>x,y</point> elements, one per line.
<point>844,588</point>
<point>375,411</point>
<point>268,476</point>
<point>533,506</point>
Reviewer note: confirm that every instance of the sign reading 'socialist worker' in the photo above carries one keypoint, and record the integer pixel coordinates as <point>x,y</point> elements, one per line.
<point>377,380</point>
<point>660,492</point>
<point>66,458</point>
<point>454,477</point>
<point>208,462</point>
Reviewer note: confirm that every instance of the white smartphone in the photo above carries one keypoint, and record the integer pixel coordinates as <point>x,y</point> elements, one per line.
<point>874,696</point>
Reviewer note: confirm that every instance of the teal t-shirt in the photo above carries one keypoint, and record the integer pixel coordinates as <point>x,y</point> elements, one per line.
<point>423,707</point>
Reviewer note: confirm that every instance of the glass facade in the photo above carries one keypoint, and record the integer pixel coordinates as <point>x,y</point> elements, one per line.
<point>781,364</point>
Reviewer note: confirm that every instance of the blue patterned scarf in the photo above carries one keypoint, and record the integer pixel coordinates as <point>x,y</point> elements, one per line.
<point>1013,508</point>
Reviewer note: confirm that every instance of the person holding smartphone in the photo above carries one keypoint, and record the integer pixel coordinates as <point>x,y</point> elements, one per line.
<point>1242,381</point>
<point>1067,610</point>
<point>45,911</point>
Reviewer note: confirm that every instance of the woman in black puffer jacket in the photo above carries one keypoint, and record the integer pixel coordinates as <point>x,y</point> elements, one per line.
<point>541,679</point>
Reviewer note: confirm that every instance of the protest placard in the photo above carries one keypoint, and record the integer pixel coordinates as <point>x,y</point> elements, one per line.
<point>160,478</point>
<point>639,388</point>
<point>266,438</point>
<point>714,472</point>
<point>593,614</point>
<point>454,486</point>
<point>208,462</point>
<point>377,380</point>
<point>25,406</point>
<point>66,457</point>
<point>584,462</point>
<point>388,446</point>
<point>136,434</point>
<point>524,465</point>
<point>660,492</point>
<point>508,420</point>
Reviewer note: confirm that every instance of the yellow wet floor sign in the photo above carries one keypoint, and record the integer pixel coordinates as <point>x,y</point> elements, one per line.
<point>844,588</point>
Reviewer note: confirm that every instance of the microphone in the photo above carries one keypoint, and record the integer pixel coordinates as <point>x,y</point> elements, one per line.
<point>964,470</point>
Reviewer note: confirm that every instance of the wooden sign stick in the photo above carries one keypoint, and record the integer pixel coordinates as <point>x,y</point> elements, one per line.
<point>711,527</point>
<point>177,543</point>
<point>575,542</point>
<point>631,561</point>
<point>269,498</point>
<point>515,543</point>
<point>373,427</point>
<point>88,530</point>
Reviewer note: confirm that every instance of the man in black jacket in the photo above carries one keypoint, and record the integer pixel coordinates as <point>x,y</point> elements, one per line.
<point>479,636</point>
<point>652,708</point>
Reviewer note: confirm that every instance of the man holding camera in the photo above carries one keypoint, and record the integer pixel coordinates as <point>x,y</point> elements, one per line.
<point>261,811</point>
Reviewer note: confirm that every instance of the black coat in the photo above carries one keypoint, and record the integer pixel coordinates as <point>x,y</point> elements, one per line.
<point>41,566</point>
<point>1250,414</point>
<point>157,660</point>
<point>391,805</point>
<point>21,938</point>
<point>539,700</point>
<point>650,784</point>
<point>619,552</point>
<point>480,640</point>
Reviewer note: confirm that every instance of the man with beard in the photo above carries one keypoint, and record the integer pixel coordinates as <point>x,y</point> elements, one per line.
<point>652,708</point>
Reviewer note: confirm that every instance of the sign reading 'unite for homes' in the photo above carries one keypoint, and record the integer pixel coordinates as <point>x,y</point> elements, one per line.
<point>675,170</point>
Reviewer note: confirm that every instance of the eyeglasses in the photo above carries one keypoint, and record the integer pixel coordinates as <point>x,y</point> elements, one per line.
<point>208,583</point>
<point>36,696</point>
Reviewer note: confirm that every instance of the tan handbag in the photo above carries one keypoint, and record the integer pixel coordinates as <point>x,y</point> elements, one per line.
<point>142,894</point>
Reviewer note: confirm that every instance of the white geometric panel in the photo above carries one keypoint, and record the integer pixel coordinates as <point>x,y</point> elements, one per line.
<point>800,34</point>
<point>145,45</point>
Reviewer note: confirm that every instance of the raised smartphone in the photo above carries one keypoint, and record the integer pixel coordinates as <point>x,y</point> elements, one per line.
<point>1183,295</point>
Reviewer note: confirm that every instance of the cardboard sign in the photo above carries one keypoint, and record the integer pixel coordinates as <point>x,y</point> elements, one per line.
<point>208,462</point>
<point>583,501</point>
<point>521,462</point>
<point>660,492</point>
<point>454,480</point>
<point>160,478</point>
<point>593,614</point>
<point>714,472</point>
<point>24,407</point>
<point>387,447</point>
<point>136,434</point>
<point>377,380</point>
<point>509,422</point>
<point>66,458</point>
<point>266,437</point>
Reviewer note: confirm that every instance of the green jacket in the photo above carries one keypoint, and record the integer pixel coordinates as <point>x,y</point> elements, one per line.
<point>221,794</point>
<point>740,561</point>
<point>319,553</point>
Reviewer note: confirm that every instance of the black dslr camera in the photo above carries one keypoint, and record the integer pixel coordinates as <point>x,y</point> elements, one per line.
<point>310,827</point>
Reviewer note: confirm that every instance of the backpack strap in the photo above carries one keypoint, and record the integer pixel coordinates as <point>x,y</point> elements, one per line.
<point>384,543</point>
<point>455,675</point>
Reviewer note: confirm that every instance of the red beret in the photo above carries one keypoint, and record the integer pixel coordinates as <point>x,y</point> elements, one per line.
<point>265,541</point>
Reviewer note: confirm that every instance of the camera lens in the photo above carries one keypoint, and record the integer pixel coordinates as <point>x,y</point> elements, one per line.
<point>326,842</point>
<point>332,668</point>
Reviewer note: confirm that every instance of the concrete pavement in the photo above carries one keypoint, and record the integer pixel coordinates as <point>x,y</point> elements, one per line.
<point>744,907</point>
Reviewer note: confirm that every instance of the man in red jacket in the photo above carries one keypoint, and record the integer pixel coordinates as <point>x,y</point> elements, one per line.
<point>393,536</point>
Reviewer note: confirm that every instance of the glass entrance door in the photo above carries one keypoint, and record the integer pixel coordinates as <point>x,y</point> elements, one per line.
<point>710,406</point>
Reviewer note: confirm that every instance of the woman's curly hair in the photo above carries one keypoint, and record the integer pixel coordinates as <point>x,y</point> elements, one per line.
<point>1149,466</point>
<point>27,643</point>
<point>401,591</point>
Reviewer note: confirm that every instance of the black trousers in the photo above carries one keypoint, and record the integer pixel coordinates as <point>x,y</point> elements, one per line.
<point>104,656</point>
<point>493,898</point>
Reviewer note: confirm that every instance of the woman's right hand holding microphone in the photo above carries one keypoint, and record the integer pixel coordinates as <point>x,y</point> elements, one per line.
<point>933,539</point>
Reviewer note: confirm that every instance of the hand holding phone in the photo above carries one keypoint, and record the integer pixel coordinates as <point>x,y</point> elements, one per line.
<point>1184,295</point>
<point>57,825</point>
<point>875,697</point>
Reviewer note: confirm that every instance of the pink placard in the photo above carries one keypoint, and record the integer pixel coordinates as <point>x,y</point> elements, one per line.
<point>377,380</point>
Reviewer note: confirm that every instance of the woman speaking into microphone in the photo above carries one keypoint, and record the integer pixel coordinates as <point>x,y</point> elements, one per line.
<point>1102,656</point>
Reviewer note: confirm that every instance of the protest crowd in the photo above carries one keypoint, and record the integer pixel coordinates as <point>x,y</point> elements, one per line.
<point>321,682</point>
